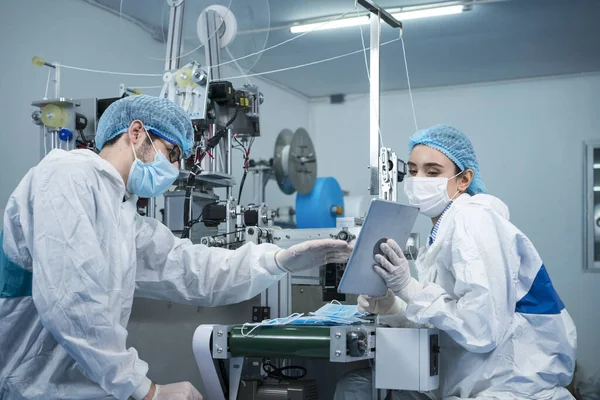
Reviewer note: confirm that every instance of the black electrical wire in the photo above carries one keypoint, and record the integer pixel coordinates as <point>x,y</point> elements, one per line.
<point>279,373</point>
<point>242,186</point>
<point>229,233</point>
<point>211,144</point>
<point>246,158</point>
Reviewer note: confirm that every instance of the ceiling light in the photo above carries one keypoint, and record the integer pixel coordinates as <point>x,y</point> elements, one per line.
<point>428,12</point>
<point>364,20</point>
<point>339,23</point>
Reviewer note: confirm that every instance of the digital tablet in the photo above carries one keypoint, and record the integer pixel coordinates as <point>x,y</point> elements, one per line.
<point>385,220</point>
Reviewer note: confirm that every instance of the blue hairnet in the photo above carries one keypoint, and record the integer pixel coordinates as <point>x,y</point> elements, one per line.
<point>456,146</point>
<point>163,116</point>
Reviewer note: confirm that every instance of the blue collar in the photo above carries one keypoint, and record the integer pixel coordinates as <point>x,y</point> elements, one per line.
<point>434,231</point>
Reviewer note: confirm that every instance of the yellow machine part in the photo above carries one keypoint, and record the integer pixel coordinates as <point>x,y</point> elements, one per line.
<point>37,61</point>
<point>183,77</point>
<point>54,116</point>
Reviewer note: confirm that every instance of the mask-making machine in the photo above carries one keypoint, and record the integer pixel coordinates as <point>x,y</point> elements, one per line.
<point>226,118</point>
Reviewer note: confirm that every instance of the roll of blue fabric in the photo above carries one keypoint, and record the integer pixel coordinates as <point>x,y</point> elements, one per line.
<point>313,210</point>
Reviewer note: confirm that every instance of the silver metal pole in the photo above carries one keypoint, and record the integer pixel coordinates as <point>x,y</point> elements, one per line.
<point>174,41</point>
<point>374,143</point>
<point>229,221</point>
<point>213,50</point>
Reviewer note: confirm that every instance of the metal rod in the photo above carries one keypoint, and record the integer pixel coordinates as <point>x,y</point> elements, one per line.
<point>229,221</point>
<point>174,41</point>
<point>264,179</point>
<point>213,50</point>
<point>56,80</point>
<point>374,142</point>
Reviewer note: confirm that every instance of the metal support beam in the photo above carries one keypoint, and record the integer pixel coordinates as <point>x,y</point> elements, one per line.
<point>174,38</point>
<point>214,24</point>
<point>378,14</point>
<point>374,142</point>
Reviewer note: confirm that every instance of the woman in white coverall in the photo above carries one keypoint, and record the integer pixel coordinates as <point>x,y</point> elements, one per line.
<point>505,333</point>
<point>75,252</point>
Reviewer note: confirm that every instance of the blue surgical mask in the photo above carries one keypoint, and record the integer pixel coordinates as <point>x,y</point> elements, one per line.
<point>152,179</point>
<point>270,322</point>
<point>337,310</point>
<point>328,321</point>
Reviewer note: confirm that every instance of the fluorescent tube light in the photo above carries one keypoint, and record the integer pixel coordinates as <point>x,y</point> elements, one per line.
<point>428,12</point>
<point>339,23</point>
<point>364,20</point>
<point>597,166</point>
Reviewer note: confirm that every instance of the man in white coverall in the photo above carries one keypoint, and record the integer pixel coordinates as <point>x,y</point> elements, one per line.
<point>75,252</point>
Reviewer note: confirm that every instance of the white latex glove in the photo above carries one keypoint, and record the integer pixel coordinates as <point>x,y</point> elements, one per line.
<point>385,305</point>
<point>314,253</point>
<point>177,391</point>
<point>394,269</point>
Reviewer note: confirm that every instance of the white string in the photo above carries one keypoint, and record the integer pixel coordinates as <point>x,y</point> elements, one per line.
<point>97,71</point>
<point>362,38</point>
<point>292,317</point>
<point>239,68</point>
<point>147,87</point>
<point>244,75</point>
<point>45,142</point>
<point>285,41</point>
<point>307,64</point>
<point>47,83</point>
<point>412,103</point>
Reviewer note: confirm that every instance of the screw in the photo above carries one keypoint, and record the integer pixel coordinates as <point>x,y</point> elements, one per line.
<point>338,353</point>
<point>250,231</point>
<point>219,350</point>
<point>220,333</point>
<point>338,335</point>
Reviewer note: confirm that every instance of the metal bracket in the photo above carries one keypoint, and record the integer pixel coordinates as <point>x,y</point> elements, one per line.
<point>384,15</point>
<point>260,314</point>
<point>220,342</point>
<point>344,343</point>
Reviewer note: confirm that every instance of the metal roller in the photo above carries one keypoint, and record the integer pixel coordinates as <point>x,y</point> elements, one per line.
<point>295,162</point>
<point>281,341</point>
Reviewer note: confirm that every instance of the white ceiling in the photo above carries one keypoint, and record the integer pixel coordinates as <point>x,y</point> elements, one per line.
<point>493,41</point>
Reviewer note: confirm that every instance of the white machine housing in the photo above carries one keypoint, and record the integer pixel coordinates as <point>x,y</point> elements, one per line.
<point>407,359</point>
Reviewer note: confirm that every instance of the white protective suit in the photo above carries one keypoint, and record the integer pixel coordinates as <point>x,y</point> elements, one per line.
<point>89,253</point>
<point>505,333</point>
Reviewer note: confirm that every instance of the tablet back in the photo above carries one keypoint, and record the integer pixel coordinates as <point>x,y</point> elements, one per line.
<point>385,220</point>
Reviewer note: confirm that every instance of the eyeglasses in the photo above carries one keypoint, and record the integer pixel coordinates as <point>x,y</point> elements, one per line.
<point>174,154</point>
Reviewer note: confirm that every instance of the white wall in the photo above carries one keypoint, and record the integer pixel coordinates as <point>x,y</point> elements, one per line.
<point>529,139</point>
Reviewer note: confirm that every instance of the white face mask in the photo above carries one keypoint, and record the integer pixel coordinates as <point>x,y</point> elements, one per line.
<point>429,194</point>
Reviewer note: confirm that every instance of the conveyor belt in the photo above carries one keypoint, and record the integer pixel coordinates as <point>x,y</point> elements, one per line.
<point>281,341</point>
